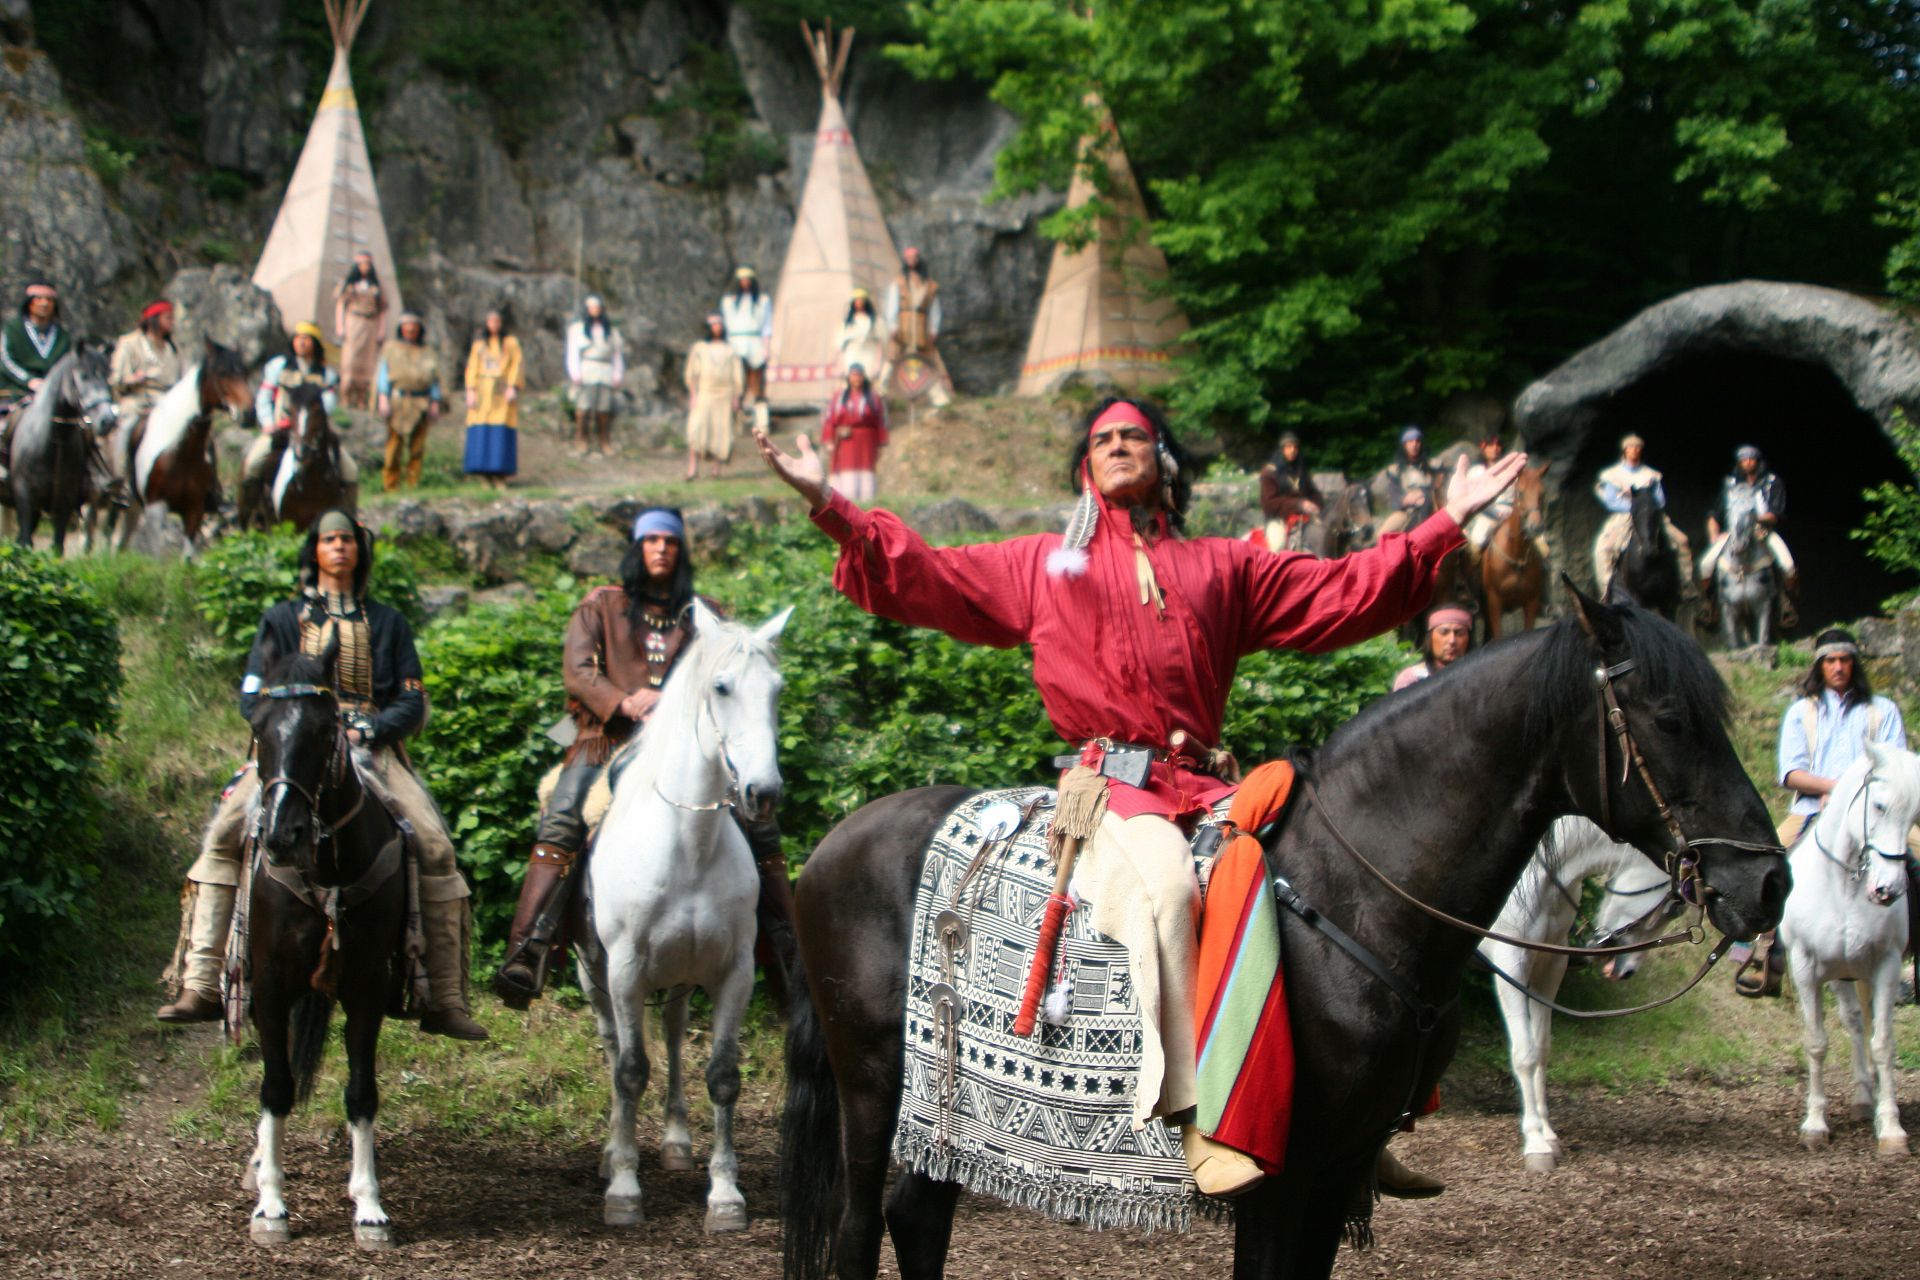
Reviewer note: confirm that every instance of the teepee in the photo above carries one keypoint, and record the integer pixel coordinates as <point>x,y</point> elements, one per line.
<point>331,209</point>
<point>1105,308</point>
<point>840,243</point>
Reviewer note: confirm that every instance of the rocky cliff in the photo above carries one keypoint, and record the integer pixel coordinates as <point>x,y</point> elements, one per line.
<point>661,142</point>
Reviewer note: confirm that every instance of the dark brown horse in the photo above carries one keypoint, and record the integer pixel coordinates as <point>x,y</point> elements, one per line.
<point>1513,573</point>
<point>52,441</point>
<point>320,828</point>
<point>1453,828</point>
<point>170,451</point>
<point>309,480</point>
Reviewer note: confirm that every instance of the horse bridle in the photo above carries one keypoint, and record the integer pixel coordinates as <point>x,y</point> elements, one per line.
<point>730,798</point>
<point>332,774</point>
<point>88,408</point>
<point>1857,871</point>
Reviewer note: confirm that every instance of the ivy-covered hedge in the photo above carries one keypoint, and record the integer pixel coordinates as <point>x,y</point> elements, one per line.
<point>59,672</point>
<point>242,574</point>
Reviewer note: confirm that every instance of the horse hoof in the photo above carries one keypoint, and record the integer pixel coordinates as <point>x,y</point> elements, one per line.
<point>373,1236</point>
<point>726,1217</point>
<point>1540,1162</point>
<point>677,1158</point>
<point>1815,1139</point>
<point>1860,1112</point>
<point>622,1211</point>
<point>269,1231</point>
<point>1894,1146</point>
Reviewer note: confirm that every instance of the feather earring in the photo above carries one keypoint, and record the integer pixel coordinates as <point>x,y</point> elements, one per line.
<point>1069,559</point>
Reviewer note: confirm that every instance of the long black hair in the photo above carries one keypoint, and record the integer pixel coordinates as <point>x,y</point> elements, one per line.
<point>506,322</point>
<point>639,586</point>
<point>1861,690</point>
<point>310,554</point>
<point>319,351</point>
<point>1182,488</point>
<point>853,309</point>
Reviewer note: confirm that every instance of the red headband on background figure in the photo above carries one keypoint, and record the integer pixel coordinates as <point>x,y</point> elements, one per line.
<point>1122,411</point>
<point>1449,616</point>
<point>160,308</point>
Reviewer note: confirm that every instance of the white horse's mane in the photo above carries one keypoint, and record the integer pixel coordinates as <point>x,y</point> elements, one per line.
<point>166,425</point>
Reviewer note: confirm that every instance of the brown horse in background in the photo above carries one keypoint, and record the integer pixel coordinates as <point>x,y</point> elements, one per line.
<point>170,452</point>
<point>1513,571</point>
<point>308,481</point>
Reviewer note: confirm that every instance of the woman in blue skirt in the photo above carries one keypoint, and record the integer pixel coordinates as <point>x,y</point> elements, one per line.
<point>494,378</point>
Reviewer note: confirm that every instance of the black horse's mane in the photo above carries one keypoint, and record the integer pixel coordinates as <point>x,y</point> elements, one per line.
<point>1668,668</point>
<point>297,668</point>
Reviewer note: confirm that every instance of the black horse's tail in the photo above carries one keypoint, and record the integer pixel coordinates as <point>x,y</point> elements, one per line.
<point>307,1039</point>
<point>810,1165</point>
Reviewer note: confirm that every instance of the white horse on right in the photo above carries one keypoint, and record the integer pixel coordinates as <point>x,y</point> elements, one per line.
<point>1845,923</point>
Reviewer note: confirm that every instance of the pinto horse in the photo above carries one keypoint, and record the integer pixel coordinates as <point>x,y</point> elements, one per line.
<point>309,480</point>
<point>323,834</point>
<point>170,453</point>
<point>48,472</point>
<point>1513,573</point>
<point>1453,829</point>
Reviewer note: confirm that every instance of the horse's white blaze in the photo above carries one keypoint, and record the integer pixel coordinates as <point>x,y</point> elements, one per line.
<point>289,468</point>
<point>1846,922</point>
<point>166,426</point>
<point>674,889</point>
<point>1538,911</point>
<point>268,1174</point>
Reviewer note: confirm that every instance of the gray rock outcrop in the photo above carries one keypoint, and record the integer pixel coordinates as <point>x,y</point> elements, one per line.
<point>223,304</point>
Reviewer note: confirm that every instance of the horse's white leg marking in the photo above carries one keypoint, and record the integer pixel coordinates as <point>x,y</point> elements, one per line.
<point>726,1207</point>
<point>1523,1048</point>
<point>269,1225</point>
<point>1886,1120</point>
<point>371,1228</point>
<point>676,1136</point>
<point>595,987</point>
<point>627,993</point>
<point>1807,982</point>
<point>1846,1001</point>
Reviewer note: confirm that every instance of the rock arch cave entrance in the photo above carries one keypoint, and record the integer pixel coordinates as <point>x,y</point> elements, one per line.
<point>1696,410</point>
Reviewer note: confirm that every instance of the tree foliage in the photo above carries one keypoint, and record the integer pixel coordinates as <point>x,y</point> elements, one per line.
<point>1891,528</point>
<point>1370,207</point>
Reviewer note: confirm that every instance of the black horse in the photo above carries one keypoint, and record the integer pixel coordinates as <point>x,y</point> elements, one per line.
<point>53,443</point>
<point>1649,570</point>
<point>1525,740</point>
<point>321,829</point>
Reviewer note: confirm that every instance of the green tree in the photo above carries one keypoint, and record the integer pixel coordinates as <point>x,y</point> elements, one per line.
<point>1369,207</point>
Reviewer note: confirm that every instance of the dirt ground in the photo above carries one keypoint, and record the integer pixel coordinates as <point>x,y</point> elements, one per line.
<point>1692,1181</point>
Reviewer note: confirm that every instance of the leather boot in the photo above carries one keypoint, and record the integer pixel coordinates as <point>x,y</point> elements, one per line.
<point>603,425</point>
<point>444,919</point>
<point>1402,1183</point>
<point>1217,1169</point>
<point>523,976</point>
<point>209,911</point>
<point>580,428</point>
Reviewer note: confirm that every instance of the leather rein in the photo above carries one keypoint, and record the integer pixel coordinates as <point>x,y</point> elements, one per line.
<point>1686,883</point>
<point>336,771</point>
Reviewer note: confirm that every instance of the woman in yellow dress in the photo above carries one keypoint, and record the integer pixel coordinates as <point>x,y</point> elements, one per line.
<point>494,380</point>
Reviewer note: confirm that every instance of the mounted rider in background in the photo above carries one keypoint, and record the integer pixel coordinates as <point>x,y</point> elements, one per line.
<point>303,364</point>
<point>1615,490</point>
<point>1288,497</point>
<point>146,364</point>
<point>377,680</point>
<point>621,643</point>
<point>1751,485</point>
<point>1406,486</point>
<point>31,343</point>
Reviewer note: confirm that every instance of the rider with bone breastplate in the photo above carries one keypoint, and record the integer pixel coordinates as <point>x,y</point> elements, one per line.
<point>621,644</point>
<point>1750,485</point>
<point>1615,490</point>
<point>1823,732</point>
<point>377,680</point>
<point>1135,633</point>
<point>304,364</point>
<point>1288,497</point>
<point>1406,485</point>
<point>31,343</point>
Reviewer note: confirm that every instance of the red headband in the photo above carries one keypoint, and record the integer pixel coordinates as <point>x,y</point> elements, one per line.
<point>42,291</point>
<point>1449,616</point>
<point>160,308</point>
<point>1123,411</point>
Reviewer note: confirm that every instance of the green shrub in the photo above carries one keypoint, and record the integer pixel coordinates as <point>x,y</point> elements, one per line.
<point>59,672</point>
<point>1891,529</point>
<point>240,576</point>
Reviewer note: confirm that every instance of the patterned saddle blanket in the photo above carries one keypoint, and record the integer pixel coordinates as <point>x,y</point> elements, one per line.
<point>1045,1121</point>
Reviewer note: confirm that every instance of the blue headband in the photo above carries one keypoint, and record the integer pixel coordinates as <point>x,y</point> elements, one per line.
<point>659,520</point>
<point>1412,433</point>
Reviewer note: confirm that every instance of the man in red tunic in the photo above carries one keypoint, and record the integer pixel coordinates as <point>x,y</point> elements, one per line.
<point>1136,632</point>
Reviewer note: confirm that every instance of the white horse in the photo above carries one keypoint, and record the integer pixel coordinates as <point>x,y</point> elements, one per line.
<point>1845,920</point>
<point>672,889</point>
<point>1542,908</point>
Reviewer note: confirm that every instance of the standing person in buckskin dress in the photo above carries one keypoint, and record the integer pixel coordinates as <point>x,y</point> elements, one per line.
<point>747,312</point>
<point>360,318</point>
<point>621,644</point>
<point>596,366</point>
<point>408,381</point>
<point>1135,633</point>
<point>377,679</point>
